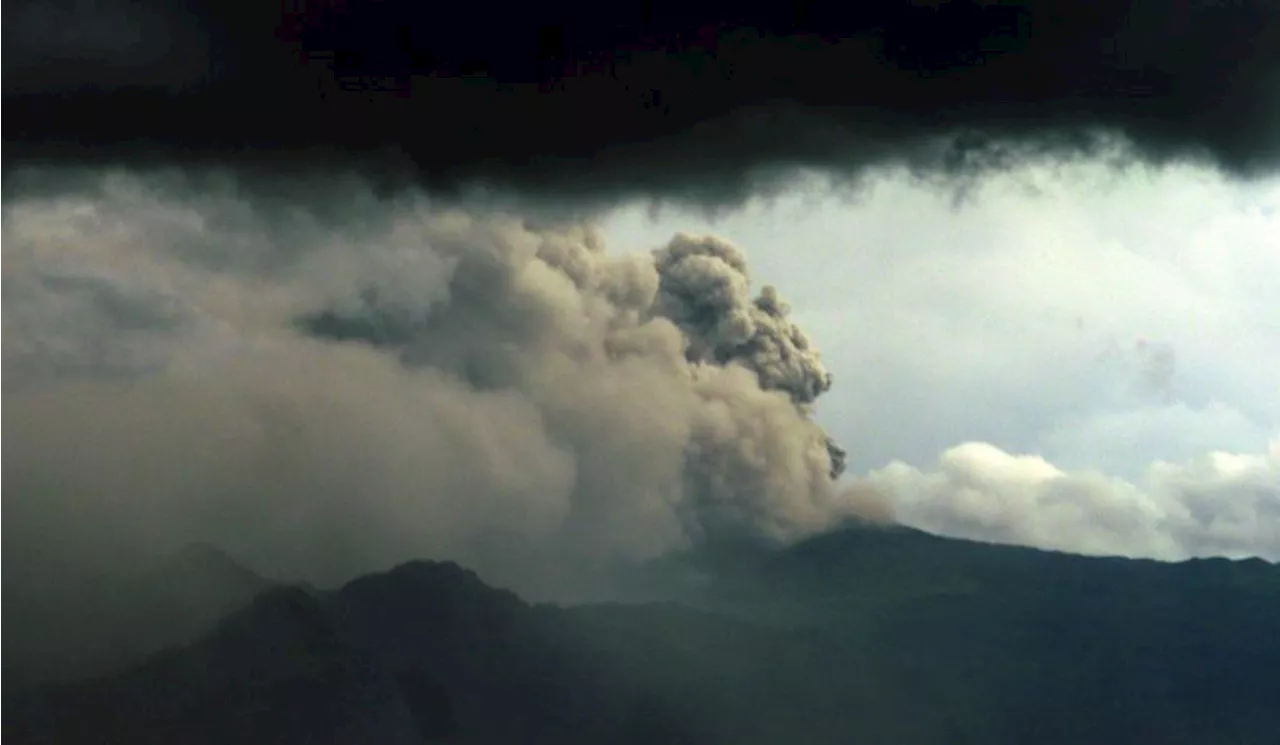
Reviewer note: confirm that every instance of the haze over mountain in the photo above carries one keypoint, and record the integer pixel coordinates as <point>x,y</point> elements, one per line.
<point>98,623</point>
<point>868,634</point>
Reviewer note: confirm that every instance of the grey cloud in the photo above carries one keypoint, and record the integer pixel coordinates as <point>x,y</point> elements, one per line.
<point>63,323</point>
<point>1159,364</point>
<point>699,101</point>
<point>525,406</point>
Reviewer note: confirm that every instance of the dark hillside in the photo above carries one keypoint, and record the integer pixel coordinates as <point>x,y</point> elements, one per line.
<point>874,636</point>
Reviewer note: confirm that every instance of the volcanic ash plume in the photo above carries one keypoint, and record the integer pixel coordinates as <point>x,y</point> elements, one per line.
<point>478,388</point>
<point>675,341</point>
<point>704,289</point>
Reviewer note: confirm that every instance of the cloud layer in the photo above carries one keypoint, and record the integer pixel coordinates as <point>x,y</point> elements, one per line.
<point>704,101</point>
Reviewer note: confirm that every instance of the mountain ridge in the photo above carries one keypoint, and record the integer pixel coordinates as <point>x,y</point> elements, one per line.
<point>880,635</point>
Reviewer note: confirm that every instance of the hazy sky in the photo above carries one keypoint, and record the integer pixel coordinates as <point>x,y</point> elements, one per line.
<point>1103,321</point>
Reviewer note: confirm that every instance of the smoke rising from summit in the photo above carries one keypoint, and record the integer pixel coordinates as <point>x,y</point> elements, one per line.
<point>500,391</point>
<point>703,101</point>
<point>704,290</point>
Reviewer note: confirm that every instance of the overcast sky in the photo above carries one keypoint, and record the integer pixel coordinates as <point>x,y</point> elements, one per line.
<point>1103,321</point>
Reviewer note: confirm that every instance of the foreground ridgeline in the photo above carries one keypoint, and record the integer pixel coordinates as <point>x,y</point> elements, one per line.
<point>863,635</point>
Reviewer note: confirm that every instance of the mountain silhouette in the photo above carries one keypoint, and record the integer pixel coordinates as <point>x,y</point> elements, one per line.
<point>868,635</point>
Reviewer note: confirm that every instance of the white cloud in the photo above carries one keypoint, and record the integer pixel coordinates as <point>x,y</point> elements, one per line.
<point>1221,504</point>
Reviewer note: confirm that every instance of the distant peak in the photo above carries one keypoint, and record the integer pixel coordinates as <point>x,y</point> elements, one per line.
<point>436,574</point>
<point>200,552</point>
<point>435,579</point>
<point>205,560</point>
<point>429,570</point>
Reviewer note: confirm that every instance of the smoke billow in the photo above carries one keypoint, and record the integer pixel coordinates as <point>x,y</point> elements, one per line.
<point>432,383</point>
<point>704,289</point>
<point>701,100</point>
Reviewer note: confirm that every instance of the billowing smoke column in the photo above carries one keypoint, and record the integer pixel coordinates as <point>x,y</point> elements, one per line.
<point>704,289</point>
<point>754,463</point>
<point>323,402</point>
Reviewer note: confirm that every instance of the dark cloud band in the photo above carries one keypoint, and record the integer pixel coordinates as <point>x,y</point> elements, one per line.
<point>698,100</point>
